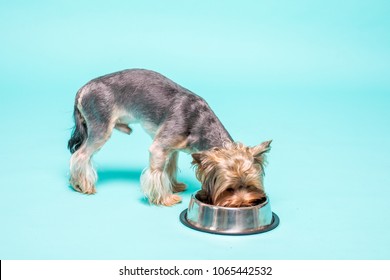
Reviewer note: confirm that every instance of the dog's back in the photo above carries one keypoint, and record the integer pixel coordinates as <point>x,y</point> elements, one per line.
<point>147,97</point>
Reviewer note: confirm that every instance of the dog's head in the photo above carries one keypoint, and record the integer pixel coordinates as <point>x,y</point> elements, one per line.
<point>232,175</point>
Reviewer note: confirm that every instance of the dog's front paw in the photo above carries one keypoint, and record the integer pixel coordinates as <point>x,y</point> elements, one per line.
<point>179,187</point>
<point>170,200</point>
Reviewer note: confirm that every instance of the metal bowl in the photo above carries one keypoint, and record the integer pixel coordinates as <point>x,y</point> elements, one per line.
<point>229,220</point>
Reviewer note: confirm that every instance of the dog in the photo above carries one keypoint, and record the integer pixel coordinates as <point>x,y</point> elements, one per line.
<point>231,173</point>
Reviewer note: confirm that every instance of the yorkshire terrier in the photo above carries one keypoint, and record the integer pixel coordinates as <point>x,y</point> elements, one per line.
<point>231,174</point>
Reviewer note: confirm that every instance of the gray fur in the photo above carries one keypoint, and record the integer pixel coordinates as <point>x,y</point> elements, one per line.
<point>167,110</point>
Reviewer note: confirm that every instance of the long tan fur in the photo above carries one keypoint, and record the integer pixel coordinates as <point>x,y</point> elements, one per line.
<point>232,175</point>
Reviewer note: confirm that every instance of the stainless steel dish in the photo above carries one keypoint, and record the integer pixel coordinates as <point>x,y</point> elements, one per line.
<point>228,220</point>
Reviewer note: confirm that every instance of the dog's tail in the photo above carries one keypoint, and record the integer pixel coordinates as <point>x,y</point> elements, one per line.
<point>79,132</point>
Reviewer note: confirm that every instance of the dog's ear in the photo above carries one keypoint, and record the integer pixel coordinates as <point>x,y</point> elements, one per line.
<point>259,151</point>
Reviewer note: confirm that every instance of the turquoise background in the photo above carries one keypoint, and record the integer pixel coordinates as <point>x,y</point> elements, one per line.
<point>311,75</point>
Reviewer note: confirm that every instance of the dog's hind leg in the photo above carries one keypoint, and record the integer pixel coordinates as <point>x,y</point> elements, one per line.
<point>96,112</point>
<point>99,123</point>
<point>82,174</point>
